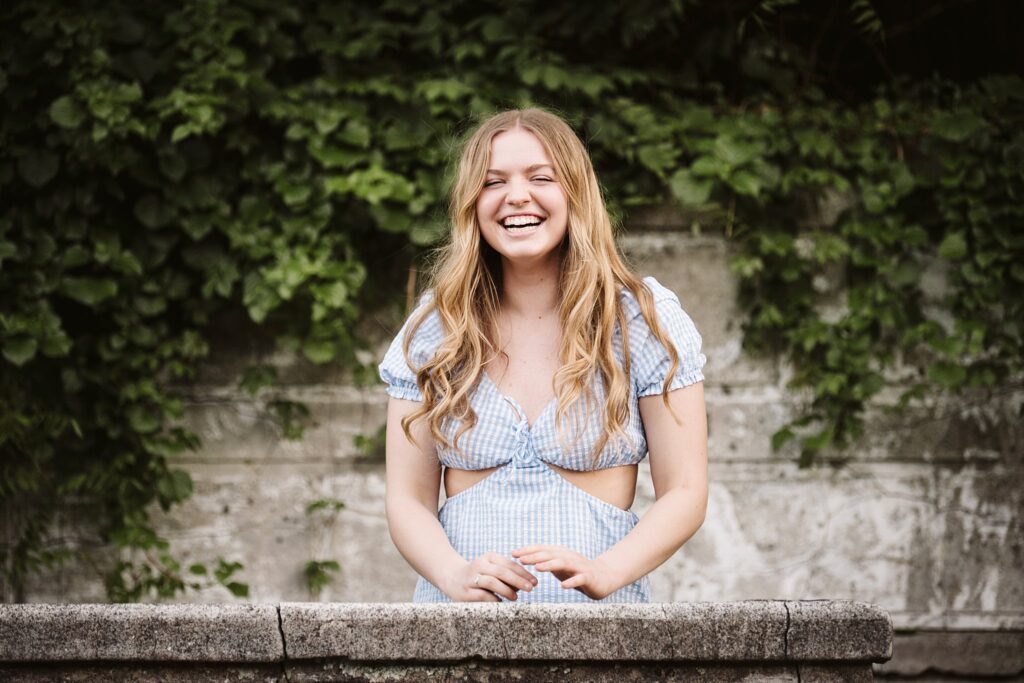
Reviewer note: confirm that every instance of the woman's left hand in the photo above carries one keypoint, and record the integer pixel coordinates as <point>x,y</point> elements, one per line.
<point>593,578</point>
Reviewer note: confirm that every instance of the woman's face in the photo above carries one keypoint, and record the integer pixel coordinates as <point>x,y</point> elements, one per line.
<point>521,208</point>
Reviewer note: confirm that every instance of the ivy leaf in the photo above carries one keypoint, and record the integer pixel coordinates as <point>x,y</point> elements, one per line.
<point>174,486</point>
<point>66,113</point>
<point>689,190</point>
<point>391,218</point>
<point>745,182</point>
<point>38,168</point>
<point>355,133</point>
<point>949,375</point>
<point>425,233</point>
<point>89,291</point>
<point>153,212</point>
<point>238,589</point>
<point>333,294</point>
<point>259,298</point>
<point>659,157</point>
<point>257,377</point>
<point>707,166</point>
<point>734,152</point>
<point>173,165</point>
<point>953,247</point>
<point>143,419</point>
<point>780,437</point>
<point>20,350</point>
<point>319,351</point>
<point>957,126</point>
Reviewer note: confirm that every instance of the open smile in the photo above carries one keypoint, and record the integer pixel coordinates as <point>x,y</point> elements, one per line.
<point>521,224</point>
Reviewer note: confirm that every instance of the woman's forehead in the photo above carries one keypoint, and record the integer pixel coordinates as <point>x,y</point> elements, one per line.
<point>517,149</point>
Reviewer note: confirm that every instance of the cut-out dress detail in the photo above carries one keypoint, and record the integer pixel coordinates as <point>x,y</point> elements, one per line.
<point>525,502</point>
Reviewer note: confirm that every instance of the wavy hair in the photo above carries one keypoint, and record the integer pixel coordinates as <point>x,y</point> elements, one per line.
<point>466,279</point>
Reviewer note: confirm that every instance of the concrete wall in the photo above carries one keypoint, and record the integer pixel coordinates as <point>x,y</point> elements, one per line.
<point>923,517</point>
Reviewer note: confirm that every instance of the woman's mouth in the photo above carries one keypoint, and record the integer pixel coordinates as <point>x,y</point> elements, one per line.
<point>521,225</point>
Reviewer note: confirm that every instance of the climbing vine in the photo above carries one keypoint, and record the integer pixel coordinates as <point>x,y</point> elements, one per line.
<point>166,166</point>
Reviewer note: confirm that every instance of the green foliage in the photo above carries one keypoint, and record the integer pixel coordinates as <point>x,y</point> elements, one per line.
<point>318,574</point>
<point>164,166</point>
<point>372,446</point>
<point>158,574</point>
<point>325,505</point>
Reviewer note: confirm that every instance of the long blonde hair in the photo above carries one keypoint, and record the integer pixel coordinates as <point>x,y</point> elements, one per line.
<point>466,280</point>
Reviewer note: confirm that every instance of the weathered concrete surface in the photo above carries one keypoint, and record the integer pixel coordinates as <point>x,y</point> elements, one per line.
<point>131,633</point>
<point>78,672</point>
<point>825,629</point>
<point>957,653</point>
<point>712,632</point>
<point>484,641</point>
<point>559,672</point>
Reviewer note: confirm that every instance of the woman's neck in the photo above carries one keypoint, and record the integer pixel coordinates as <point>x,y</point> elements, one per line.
<point>530,291</point>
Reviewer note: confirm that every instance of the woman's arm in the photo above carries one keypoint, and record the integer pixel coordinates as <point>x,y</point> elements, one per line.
<point>679,468</point>
<point>413,483</point>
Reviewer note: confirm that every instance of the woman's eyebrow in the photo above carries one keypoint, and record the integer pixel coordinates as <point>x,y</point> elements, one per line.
<point>529,169</point>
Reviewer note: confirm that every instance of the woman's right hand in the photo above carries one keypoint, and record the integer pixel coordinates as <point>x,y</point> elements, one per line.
<point>487,577</point>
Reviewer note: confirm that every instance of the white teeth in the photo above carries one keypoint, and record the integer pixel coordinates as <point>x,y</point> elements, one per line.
<point>517,221</point>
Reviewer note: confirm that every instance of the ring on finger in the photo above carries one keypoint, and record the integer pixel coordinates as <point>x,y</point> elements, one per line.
<point>476,581</point>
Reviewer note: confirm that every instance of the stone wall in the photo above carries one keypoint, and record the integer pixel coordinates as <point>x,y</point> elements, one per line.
<point>923,516</point>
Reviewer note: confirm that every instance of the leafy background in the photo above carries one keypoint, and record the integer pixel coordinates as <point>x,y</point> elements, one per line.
<point>165,167</point>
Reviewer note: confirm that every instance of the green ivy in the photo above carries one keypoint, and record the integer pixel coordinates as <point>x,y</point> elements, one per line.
<point>166,166</point>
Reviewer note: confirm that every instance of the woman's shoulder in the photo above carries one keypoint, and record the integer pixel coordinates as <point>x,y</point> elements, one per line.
<point>429,330</point>
<point>664,299</point>
<point>649,358</point>
<point>425,332</point>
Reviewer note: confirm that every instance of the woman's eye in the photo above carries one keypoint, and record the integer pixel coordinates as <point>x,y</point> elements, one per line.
<point>491,182</point>
<point>548,180</point>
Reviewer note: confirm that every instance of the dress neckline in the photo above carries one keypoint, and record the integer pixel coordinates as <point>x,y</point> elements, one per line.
<point>521,414</point>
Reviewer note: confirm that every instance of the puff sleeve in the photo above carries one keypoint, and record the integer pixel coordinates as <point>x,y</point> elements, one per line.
<point>395,370</point>
<point>651,361</point>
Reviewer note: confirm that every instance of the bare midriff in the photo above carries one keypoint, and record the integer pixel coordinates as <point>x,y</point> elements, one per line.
<point>613,485</point>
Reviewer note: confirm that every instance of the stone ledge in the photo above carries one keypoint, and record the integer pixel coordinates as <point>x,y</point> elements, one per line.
<point>140,633</point>
<point>751,631</point>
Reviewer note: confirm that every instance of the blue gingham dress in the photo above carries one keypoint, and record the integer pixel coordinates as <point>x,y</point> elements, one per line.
<point>525,502</point>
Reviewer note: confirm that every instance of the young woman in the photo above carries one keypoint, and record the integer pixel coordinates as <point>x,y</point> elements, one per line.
<point>536,373</point>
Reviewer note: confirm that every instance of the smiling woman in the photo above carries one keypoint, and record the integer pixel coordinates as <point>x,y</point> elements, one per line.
<point>536,373</point>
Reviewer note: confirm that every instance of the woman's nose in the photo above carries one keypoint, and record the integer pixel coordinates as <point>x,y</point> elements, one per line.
<point>517,193</point>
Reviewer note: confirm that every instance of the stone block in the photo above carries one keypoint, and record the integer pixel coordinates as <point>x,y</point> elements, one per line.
<point>400,631</point>
<point>325,671</point>
<point>234,427</point>
<point>129,633</point>
<point>956,653</point>
<point>77,672</point>
<point>741,631</point>
<point>821,630</point>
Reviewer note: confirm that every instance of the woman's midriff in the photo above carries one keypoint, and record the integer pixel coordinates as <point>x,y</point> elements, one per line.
<point>613,485</point>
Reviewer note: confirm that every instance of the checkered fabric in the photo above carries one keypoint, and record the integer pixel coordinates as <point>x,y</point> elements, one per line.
<point>525,501</point>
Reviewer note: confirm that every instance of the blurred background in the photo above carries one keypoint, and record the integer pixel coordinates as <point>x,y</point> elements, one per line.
<point>214,216</point>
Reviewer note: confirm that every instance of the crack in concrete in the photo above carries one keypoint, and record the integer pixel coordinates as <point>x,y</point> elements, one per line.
<point>671,630</point>
<point>284,645</point>
<point>502,633</point>
<point>785,641</point>
<point>785,638</point>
